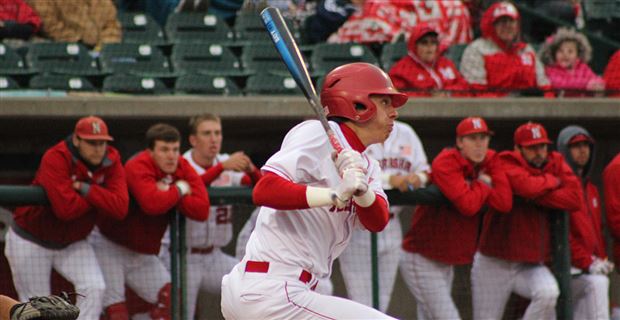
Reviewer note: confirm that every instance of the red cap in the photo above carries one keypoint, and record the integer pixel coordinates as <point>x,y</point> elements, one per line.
<point>92,128</point>
<point>530,134</point>
<point>472,125</point>
<point>580,138</point>
<point>505,9</point>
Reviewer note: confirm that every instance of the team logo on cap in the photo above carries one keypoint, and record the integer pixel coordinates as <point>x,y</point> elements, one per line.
<point>476,123</point>
<point>536,133</point>
<point>505,9</point>
<point>96,127</point>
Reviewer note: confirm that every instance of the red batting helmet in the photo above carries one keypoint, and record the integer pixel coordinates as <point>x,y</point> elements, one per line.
<point>352,84</point>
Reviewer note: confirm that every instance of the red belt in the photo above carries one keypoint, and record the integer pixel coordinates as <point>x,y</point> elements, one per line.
<point>206,250</point>
<point>263,267</point>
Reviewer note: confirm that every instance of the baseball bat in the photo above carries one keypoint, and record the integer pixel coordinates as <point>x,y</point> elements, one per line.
<point>286,46</point>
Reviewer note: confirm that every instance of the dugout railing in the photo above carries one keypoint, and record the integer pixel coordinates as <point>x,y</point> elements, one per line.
<point>14,195</point>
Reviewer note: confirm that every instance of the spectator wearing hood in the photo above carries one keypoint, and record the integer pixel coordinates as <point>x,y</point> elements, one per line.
<point>589,284</point>
<point>500,63</point>
<point>566,55</point>
<point>612,75</point>
<point>17,20</point>
<point>424,71</point>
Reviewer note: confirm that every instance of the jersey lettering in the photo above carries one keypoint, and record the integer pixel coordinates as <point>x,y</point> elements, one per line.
<point>347,208</point>
<point>395,163</point>
<point>536,133</point>
<point>223,215</point>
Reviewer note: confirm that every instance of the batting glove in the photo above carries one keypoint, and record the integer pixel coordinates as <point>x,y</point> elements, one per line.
<point>598,266</point>
<point>348,159</point>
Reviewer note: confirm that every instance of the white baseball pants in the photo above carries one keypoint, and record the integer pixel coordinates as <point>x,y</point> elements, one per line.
<point>431,284</point>
<point>279,294</point>
<point>590,293</point>
<point>494,279</point>
<point>31,267</point>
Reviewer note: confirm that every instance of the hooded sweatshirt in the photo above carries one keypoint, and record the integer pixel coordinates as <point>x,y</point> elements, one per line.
<point>417,78</point>
<point>495,68</point>
<point>586,237</point>
<point>574,79</point>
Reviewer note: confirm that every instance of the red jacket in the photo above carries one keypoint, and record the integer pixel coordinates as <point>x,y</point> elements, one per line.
<point>71,215</point>
<point>449,233</point>
<point>149,213</point>
<point>611,187</point>
<point>612,75</point>
<point>20,12</point>
<point>522,234</point>
<point>586,237</point>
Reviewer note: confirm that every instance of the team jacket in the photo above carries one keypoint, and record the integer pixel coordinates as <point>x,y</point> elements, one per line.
<point>522,234</point>
<point>493,68</point>
<point>71,215</point>
<point>149,212</point>
<point>449,233</point>
<point>612,75</point>
<point>611,185</point>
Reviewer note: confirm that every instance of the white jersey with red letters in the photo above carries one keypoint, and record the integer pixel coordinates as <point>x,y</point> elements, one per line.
<point>298,243</point>
<point>401,154</point>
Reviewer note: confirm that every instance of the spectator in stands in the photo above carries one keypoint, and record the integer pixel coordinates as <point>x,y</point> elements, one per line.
<point>424,71</point>
<point>467,176</point>
<point>589,284</point>
<point>158,9</point>
<point>159,181</point>
<point>329,16</point>
<point>500,63</point>
<point>17,20</point>
<point>565,55</point>
<point>92,22</point>
<point>225,9</point>
<point>612,75</point>
<point>611,186</point>
<point>84,180</point>
<point>515,246</point>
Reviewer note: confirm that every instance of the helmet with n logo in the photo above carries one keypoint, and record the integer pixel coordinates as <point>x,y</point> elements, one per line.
<point>530,134</point>
<point>347,89</point>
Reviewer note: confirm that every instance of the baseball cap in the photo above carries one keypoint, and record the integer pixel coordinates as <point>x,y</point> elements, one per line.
<point>505,9</point>
<point>580,138</point>
<point>472,125</point>
<point>92,128</point>
<point>530,134</point>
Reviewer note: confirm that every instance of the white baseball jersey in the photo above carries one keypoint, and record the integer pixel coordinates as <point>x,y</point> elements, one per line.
<point>401,154</point>
<point>217,231</point>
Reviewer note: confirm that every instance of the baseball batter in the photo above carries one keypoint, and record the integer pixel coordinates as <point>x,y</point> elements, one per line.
<point>443,236</point>
<point>300,232</point>
<point>404,166</point>
<point>515,246</point>
<point>84,180</point>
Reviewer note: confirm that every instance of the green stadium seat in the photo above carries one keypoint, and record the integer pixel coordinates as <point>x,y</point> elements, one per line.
<point>131,84</point>
<point>62,58</point>
<point>61,82</point>
<point>192,27</point>
<point>249,28</point>
<point>11,63</point>
<point>213,59</point>
<point>392,52</point>
<point>263,58</point>
<point>141,28</point>
<point>327,56</point>
<point>137,59</point>
<point>7,83</point>
<point>455,52</point>
<point>264,83</point>
<point>206,84</point>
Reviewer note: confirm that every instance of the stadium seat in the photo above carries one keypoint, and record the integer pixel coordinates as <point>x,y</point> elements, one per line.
<point>138,59</point>
<point>392,52</point>
<point>263,58</point>
<point>455,52</point>
<point>62,58</point>
<point>327,56</point>
<point>61,82</point>
<point>7,83</point>
<point>131,84</point>
<point>213,59</point>
<point>11,63</point>
<point>206,84</point>
<point>141,28</point>
<point>191,27</point>
<point>249,28</point>
<point>264,83</point>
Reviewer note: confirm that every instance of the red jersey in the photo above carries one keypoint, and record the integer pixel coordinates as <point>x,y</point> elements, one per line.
<point>611,187</point>
<point>150,209</point>
<point>523,235</point>
<point>449,233</point>
<point>71,215</point>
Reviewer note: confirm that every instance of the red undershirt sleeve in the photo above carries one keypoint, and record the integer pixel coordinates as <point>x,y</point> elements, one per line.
<point>376,216</point>
<point>268,192</point>
<point>211,174</point>
<point>251,177</point>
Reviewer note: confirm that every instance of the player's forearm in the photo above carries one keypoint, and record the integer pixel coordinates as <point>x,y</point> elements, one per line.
<point>211,174</point>
<point>269,192</point>
<point>374,217</point>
